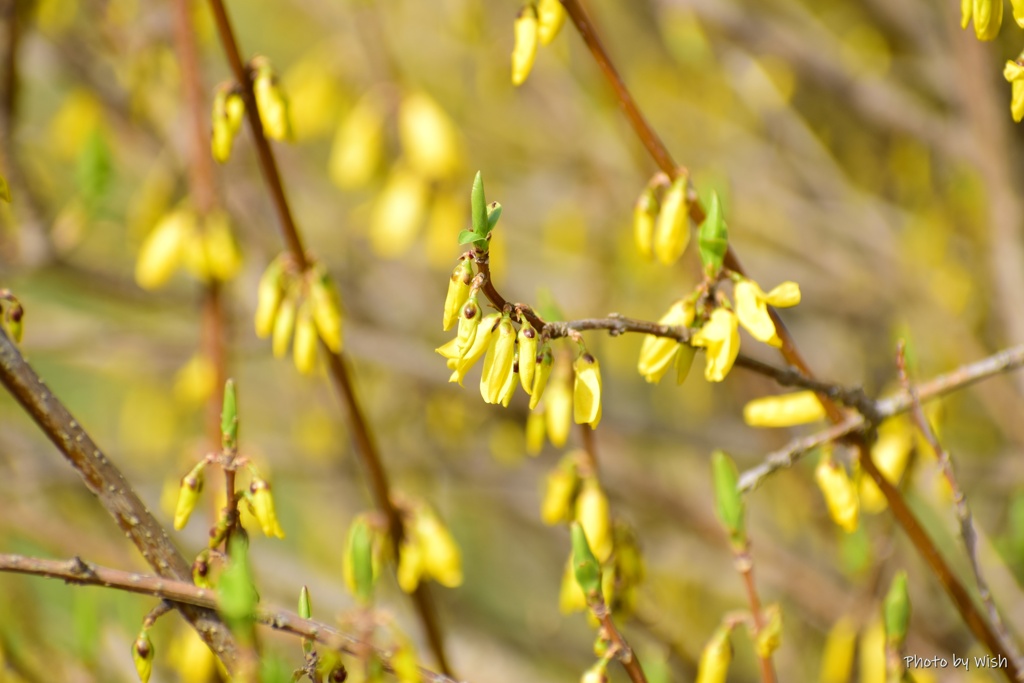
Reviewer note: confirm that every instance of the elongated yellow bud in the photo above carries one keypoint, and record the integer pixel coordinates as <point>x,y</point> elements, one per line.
<point>658,353</point>
<point>587,391</point>
<point>458,292</point>
<point>672,229</point>
<point>284,326</point>
<point>840,494</point>
<point>271,102</point>
<point>442,558</point>
<point>268,297</point>
<point>684,361</point>
<point>222,255</point>
<point>410,563</point>
<point>398,212</point>
<point>559,410</point>
<point>326,309</point>
<point>358,143</point>
<point>142,655</point>
<point>837,656</point>
<point>1018,12</point>
<point>540,375</point>
<point>988,18</point>
<point>163,249</point>
<point>527,355</point>
<point>560,492</point>
<point>263,508</point>
<point>592,512</point>
<point>429,138</point>
<point>535,432</point>
<point>550,17</point>
<point>1014,74</point>
<point>228,110</point>
<point>645,213</point>
<point>498,362</point>
<point>188,496</point>
<point>784,411</point>
<point>524,50</point>
<point>305,341</point>
<point>891,454</point>
<point>715,659</point>
<point>480,344</point>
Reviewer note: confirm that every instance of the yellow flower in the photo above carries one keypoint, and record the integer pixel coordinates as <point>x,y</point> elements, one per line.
<point>550,17</point>
<point>1014,73</point>
<point>645,212</point>
<point>587,391</point>
<point>410,563</point>
<point>715,658</point>
<point>837,656</point>
<point>480,343</point>
<point>839,492</point>
<point>672,229</point>
<point>442,558</point>
<point>498,362</point>
<point>720,337</point>
<point>658,353</point>
<point>524,50</point>
<point>987,16</point>
<point>263,508</point>
<point>784,411</point>
<point>592,512</point>
<point>540,375</point>
<point>429,138</point>
<point>284,326</point>
<point>268,297</point>
<point>1018,12</point>
<point>458,292</point>
<point>188,496</point>
<point>357,146</point>
<point>270,102</point>
<point>163,249</point>
<point>305,341</point>
<point>558,411</point>
<point>559,492</point>
<point>535,432</point>
<point>527,355</point>
<point>752,308</point>
<point>890,454</point>
<point>326,309</point>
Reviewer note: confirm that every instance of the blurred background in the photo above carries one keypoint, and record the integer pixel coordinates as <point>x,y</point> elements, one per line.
<point>862,148</point>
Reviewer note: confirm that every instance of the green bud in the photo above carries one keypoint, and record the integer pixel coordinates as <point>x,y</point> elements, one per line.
<point>493,214</point>
<point>729,500</point>
<point>360,559</point>
<point>713,240</point>
<point>585,564</point>
<point>229,418</point>
<point>897,610</point>
<point>305,607</point>
<point>478,207</point>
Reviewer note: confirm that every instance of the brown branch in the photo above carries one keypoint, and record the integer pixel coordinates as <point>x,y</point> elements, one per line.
<point>107,483</point>
<point>963,511</point>
<point>78,572</point>
<point>745,566</point>
<point>336,363</point>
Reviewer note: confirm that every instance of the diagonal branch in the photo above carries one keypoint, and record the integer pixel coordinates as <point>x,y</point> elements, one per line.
<point>110,487</point>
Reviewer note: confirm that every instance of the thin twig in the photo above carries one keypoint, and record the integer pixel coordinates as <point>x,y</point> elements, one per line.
<point>78,572</point>
<point>745,566</point>
<point>963,511</point>
<point>107,483</point>
<point>336,363</point>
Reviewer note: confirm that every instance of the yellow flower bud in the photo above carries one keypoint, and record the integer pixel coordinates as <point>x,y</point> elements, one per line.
<point>770,636</point>
<point>268,298</point>
<point>410,563</point>
<point>839,492</point>
<point>481,341</point>
<point>221,250</point>
<point>684,361</point>
<point>498,361</point>
<point>428,136</point>
<point>558,410</point>
<point>1018,12</point>
<point>527,355</point>
<point>404,663</point>
<point>720,337</point>
<point>188,495</point>
<point>988,18</point>
<point>672,229</point>
<point>645,212</point>
<point>784,411</point>
<point>458,293</point>
<point>142,655</point>
<point>1014,74</point>
<point>559,492</point>
<point>592,512</point>
<point>442,558</point>
<point>356,151</point>
<point>752,311</point>
<point>535,432</point>
<point>271,102</point>
<point>550,17</point>
<point>658,353</point>
<point>163,249</point>
<point>263,508</point>
<point>397,213</point>
<point>305,341</point>
<point>715,659</point>
<point>837,656</point>
<point>587,391</point>
<point>599,672</point>
<point>872,653</point>
<point>326,309</point>
<point>284,326</point>
<point>570,595</point>
<point>540,376</point>
<point>195,382</point>
<point>228,110</point>
<point>890,453</point>
<point>524,49</point>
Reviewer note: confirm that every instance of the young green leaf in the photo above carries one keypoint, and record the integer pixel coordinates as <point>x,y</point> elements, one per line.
<point>478,206</point>
<point>493,214</point>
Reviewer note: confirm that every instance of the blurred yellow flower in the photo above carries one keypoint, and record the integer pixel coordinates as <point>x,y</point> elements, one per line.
<point>721,339</point>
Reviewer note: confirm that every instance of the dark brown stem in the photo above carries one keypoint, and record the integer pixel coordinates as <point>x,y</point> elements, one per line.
<point>78,572</point>
<point>963,511</point>
<point>107,483</point>
<point>358,426</point>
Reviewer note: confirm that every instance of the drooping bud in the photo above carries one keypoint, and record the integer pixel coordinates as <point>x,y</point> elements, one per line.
<point>527,354</point>
<point>458,292</point>
<point>305,341</point>
<point>263,508</point>
<point>560,492</point>
<point>786,410</point>
<point>728,499</point>
<point>482,336</point>
<point>188,496</point>
<point>326,308</point>
<point>587,391</point>
<point>284,325</point>
<point>645,212</point>
<point>270,101</point>
<point>550,17</point>
<point>429,138</point>
<point>524,49</point>
<point>593,514</point>
<point>142,655</point>
<point>228,110</point>
<point>541,374</point>
<point>684,361</point>
<point>268,297</point>
<point>410,563</point>
<point>658,353</point>
<point>357,146</point>
<point>558,408</point>
<point>586,568</point>
<point>988,18</point>
<point>220,247</point>
<point>498,362</point>
<point>716,657</point>
<point>442,558</point>
<point>840,494</point>
<point>838,654</point>
<point>163,249</point>
<point>535,432</point>
<point>672,229</point>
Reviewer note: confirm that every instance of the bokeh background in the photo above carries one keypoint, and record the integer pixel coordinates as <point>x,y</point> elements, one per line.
<point>863,149</point>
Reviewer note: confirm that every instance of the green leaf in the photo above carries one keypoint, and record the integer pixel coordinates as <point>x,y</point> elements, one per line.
<point>478,205</point>
<point>897,609</point>
<point>229,417</point>
<point>468,237</point>
<point>94,168</point>
<point>728,498</point>
<point>237,593</point>
<point>714,237</point>
<point>584,563</point>
<point>493,214</point>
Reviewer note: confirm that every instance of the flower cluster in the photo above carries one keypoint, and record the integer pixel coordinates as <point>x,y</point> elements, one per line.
<point>229,109</point>
<point>661,219</point>
<point>538,23</point>
<point>298,308</point>
<point>202,245</point>
<point>987,17</point>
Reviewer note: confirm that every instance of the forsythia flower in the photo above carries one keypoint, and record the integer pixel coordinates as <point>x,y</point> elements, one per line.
<point>458,292</point>
<point>550,17</point>
<point>752,308</point>
<point>188,496</point>
<point>645,212</point>
<point>356,150</point>
<point>498,364</point>
<point>784,411</point>
<point>263,508</point>
<point>592,512</point>
<point>720,337</point>
<point>672,229</point>
<point>839,493</point>
<point>890,454</point>
<point>657,353</point>
<point>587,391</point>
<point>480,342</point>
<point>837,657</point>
<point>987,16</point>
<point>527,355</point>
<point>524,50</point>
<point>1014,73</point>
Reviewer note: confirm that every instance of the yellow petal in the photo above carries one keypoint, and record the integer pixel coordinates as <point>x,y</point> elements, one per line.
<point>442,558</point>
<point>550,17</point>
<point>498,362</point>
<point>524,49</point>
<point>429,138</point>
<point>358,143</point>
<point>715,658</point>
<point>559,411</point>
<point>410,563</point>
<point>839,492</point>
<point>785,295</point>
<point>720,338</point>
<point>837,656</point>
<point>784,411</point>
<point>163,249</point>
<point>672,229</point>
<point>397,213</point>
<point>752,311</point>
<point>587,391</point>
<point>592,512</point>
